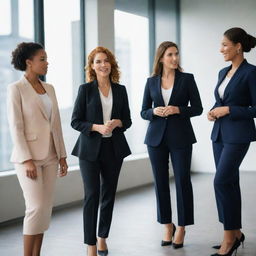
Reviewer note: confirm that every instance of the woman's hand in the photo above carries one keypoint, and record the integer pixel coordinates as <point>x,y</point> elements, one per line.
<point>101,128</point>
<point>30,168</point>
<point>219,112</point>
<point>114,123</point>
<point>63,167</point>
<point>171,110</point>
<point>210,117</point>
<point>158,111</point>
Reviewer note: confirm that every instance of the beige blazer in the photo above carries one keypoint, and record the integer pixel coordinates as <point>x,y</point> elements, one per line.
<point>29,125</point>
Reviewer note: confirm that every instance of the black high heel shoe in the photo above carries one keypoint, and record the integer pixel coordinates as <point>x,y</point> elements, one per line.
<point>231,251</point>
<point>165,243</point>
<point>103,252</point>
<point>242,238</point>
<point>177,246</point>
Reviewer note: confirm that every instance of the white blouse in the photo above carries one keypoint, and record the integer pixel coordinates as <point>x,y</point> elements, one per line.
<point>47,104</point>
<point>223,86</point>
<point>107,103</point>
<point>166,93</point>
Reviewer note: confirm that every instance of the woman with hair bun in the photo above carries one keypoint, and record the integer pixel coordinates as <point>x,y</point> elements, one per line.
<point>233,130</point>
<point>38,141</point>
<point>101,114</point>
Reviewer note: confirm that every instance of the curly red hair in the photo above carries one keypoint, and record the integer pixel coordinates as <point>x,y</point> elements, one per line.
<point>90,73</point>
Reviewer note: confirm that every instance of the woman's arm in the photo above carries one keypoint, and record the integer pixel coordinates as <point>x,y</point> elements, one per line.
<point>195,108</point>
<point>63,153</point>
<point>16,124</point>
<point>78,120</point>
<point>238,112</point>
<point>147,110</point>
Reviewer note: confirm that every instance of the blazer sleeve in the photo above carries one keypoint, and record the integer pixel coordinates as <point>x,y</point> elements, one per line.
<point>147,110</point>
<point>78,120</point>
<point>63,152</point>
<point>126,115</point>
<point>239,112</point>
<point>195,108</point>
<point>16,123</point>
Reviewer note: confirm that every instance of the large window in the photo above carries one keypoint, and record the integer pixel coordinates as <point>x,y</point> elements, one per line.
<point>63,35</point>
<point>65,57</point>
<point>132,51</point>
<point>16,25</point>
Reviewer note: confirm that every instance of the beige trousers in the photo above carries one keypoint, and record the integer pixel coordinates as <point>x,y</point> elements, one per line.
<point>39,193</point>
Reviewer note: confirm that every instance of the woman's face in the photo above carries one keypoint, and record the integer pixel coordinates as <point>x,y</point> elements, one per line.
<point>39,63</point>
<point>170,58</point>
<point>101,65</point>
<point>229,49</point>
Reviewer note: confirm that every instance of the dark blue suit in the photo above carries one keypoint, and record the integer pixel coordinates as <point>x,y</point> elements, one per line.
<point>172,135</point>
<point>231,136</point>
<point>100,159</point>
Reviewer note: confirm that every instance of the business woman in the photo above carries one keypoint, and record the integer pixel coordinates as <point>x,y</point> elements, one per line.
<point>171,98</point>
<point>37,139</point>
<point>232,132</point>
<point>101,115</point>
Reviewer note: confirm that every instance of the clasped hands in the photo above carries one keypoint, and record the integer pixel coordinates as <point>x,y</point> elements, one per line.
<point>217,113</point>
<point>108,127</point>
<point>166,111</point>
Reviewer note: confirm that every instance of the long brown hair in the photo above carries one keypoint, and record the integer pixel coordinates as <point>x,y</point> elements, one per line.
<point>158,65</point>
<point>90,73</point>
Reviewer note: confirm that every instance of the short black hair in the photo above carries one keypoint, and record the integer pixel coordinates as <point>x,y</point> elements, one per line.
<point>238,35</point>
<point>23,52</point>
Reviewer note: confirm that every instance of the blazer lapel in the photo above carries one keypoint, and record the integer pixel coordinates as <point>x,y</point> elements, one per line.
<point>175,87</point>
<point>53,100</point>
<point>159,89</point>
<point>115,99</point>
<point>221,78</point>
<point>35,95</point>
<point>233,79</point>
<point>98,105</point>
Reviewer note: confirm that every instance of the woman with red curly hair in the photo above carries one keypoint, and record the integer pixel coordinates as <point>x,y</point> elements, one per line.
<point>101,114</point>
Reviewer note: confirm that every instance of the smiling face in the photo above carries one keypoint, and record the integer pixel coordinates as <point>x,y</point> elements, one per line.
<point>38,64</point>
<point>229,49</point>
<point>101,65</point>
<point>170,58</point>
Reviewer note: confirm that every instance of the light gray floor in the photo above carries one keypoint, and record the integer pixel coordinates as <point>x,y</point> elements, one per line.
<point>135,231</point>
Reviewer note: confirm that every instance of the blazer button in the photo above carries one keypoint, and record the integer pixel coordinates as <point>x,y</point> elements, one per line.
<point>166,118</point>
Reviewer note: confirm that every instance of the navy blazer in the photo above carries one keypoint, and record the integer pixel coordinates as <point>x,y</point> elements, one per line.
<point>180,131</point>
<point>88,111</point>
<point>240,96</point>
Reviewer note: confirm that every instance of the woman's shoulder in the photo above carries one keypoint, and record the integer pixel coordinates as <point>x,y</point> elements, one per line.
<point>86,86</point>
<point>153,78</point>
<point>186,74</point>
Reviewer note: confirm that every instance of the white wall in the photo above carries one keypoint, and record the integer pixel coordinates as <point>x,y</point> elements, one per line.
<point>202,26</point>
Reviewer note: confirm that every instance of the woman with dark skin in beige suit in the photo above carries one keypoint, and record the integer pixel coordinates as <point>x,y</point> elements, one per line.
<point>37,139</point>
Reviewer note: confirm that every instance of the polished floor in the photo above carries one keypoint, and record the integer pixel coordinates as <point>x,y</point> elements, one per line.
<point>135,231</point>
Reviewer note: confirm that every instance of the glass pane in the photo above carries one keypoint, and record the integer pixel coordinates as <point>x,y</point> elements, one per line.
<point>132,51</point>
<point>66,71</point>
<point>5,17</point>
<point>26,18</point>
<point>7,72</point>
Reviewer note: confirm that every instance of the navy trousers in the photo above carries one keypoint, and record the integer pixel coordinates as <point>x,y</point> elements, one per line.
<point>100,180</point>
<point>228,158</point>
<point>181,162</point>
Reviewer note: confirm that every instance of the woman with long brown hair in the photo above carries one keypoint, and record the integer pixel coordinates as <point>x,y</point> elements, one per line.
<point>171,98</point>
<point>101,114</point>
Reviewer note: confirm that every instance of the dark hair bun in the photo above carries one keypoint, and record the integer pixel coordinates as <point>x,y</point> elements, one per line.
<point>249,43</point>
<point>23,52</point>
